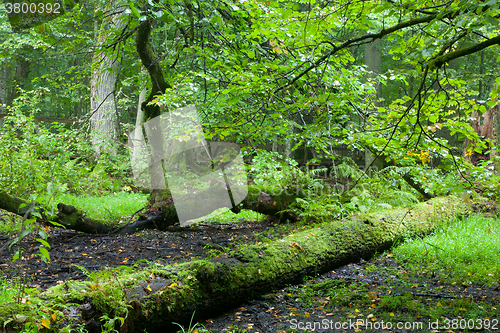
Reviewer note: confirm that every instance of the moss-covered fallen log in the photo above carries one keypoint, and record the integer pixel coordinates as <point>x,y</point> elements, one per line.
<point>154,297</point>
<point>67,216</point>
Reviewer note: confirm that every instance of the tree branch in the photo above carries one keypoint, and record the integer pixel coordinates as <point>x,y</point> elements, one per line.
<point>152,65</point>
<point>438,62</point>
<point>370,36</point>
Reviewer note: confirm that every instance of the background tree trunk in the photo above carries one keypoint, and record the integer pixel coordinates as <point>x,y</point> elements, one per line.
<point>486,127</point>
<point>373,60</point>
<point>105,67</point>
<point>3,86</point>
<point>22,71</point>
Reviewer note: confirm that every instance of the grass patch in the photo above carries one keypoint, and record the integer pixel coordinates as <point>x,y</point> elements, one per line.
<point>468,248</point>
<point>8,292</point>
<point>244,215</point>
<point>224,215</point>
<point>110,207</point>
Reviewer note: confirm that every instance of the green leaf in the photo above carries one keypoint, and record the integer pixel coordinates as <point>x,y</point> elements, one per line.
<point>491,20</point>
<point>43,242</point>
<point>57,224</point>
<point>133,9</point>
<point>42,234</point>
<point>45,254</point>
<point>286,13</point>
<point>24,233</point>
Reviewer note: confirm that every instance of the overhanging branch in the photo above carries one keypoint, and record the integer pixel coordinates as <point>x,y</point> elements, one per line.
<point>439,61</point>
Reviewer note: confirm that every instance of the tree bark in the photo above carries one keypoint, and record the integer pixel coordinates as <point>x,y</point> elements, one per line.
<point>105,67</point>
<point>21,73</point>
<point>373,61</point>
<point>152,64</point>
<point>3,86</point>
<point>486,127</point>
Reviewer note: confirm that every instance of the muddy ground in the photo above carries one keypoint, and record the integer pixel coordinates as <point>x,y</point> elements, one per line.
<point>353,298</point>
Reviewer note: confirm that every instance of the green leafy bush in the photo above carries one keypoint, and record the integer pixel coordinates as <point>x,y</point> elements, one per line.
<point>33,157</point>
<point>49,158</point>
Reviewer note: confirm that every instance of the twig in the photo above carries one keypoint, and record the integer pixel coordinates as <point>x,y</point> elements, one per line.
<point>129,220</point>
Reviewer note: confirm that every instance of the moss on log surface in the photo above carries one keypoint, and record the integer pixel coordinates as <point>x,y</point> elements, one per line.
<point>159,295</point>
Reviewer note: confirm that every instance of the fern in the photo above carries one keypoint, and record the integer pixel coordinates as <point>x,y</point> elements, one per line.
<point>347,168</point>
<point>315,172</point>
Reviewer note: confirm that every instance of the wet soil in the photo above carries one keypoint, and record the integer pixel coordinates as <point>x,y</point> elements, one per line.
<point>70,250</point>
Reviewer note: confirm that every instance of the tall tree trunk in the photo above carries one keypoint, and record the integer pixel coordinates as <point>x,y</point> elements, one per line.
<point>158,86</point>
<point>373,60</point>
<point>481,77</point>
<point>3,86</point>
<point>105,66</point>
<point>288,141</point>
<point>22,71</point>
<point>152,64</point>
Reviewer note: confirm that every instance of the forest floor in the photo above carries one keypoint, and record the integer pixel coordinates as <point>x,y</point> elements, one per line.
<point>71,249</point>
<point>380,295</point>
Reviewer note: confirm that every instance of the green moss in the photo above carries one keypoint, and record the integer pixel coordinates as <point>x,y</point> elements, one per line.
<point>8,202</point>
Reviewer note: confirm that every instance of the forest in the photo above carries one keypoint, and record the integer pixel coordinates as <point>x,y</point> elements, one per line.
<point>249,166</point>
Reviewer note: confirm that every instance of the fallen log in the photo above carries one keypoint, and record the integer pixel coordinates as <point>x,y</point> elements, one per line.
<point>67,216</point>
<point>160,213</point>
<point>154,297</point>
